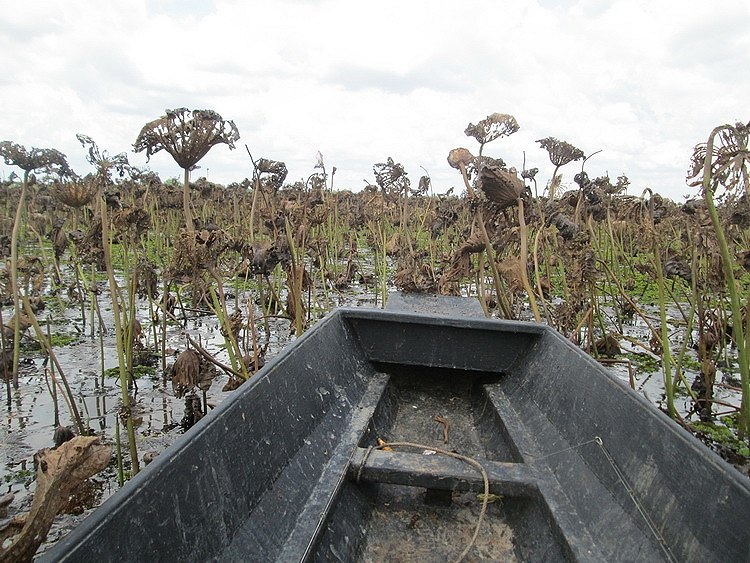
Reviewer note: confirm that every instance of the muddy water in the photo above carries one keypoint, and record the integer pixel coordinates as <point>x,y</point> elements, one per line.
<point>650,382</point>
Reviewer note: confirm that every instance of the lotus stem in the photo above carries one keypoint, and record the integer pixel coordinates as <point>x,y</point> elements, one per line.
<point>731,283</point>
<point>119,332</point>
<point>186,201</point>
<point>68,396</point>
<point>501,299</point>
<point>523,232</point>
<point>14,276</point>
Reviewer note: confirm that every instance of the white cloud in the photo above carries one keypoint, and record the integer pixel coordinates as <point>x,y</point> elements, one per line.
<point>643,81</point>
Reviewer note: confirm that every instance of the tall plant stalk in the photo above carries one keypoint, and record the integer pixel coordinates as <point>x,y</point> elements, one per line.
<point>187,136</point>
<point>27,160</point>
<point>119,333</point>
<point>497,280</point>
<point>14,276</point>
<point>524,258</point>
<point>68,396</point>
<point>186,200</point>
<point>739,331</point>
<point>666,355</point>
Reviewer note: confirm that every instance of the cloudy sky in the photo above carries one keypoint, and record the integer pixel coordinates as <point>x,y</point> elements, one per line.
<point>642,81</point>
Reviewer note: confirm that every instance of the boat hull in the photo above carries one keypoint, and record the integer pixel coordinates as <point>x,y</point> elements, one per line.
<point>291,467</point>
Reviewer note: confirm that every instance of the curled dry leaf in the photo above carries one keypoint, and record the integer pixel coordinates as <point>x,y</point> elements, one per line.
<point>59,472</point>
<point>728,162</point>
<point>235,323</point>
<point>492,127</point>
<point>608,345</point>
<point>186,372</point>
<point>49,160</point>
<point>391,177</point>
<point>273,172</point>
<point>501,186</point>
<point>76,194</point>
<point>560,152</point>
<point>460,156</point>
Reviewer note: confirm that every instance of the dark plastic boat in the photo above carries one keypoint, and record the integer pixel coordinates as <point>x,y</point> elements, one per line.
<point>367,440</point>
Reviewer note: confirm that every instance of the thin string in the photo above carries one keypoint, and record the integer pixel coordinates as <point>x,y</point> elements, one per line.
<point>628,489</point>
<point>639,506</point>
<point>474,463</point>
<point>593,440</point>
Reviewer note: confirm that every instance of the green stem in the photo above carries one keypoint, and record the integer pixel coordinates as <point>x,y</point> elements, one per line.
<point>666,356</point>
<point>68,396</point>
<point>14,276</point>
<point>523,232</point>
<point>119,333</point>
<point>731,283</point>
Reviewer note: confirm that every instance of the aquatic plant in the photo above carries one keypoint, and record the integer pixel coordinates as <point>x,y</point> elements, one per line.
<point>500,186</point>
<point>28,160</point>
<point>560,153</point>
<point>124,311</point>
<point>187,136</point>
<point>720,168</point>
<point>621,275</point>
<point>492,127</point>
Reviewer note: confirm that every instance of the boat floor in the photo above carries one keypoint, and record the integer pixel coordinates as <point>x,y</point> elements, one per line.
<point>403,527</point>
<point>423,524</point>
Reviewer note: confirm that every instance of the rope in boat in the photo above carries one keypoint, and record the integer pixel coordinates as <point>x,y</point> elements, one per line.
<point>474,463</point>
<point>628,489</point>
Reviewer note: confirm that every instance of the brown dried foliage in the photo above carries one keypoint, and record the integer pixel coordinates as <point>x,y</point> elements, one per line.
<point>500,186</point>
<point>492,127</point>
<point>76,193</point>
<point>560,152</point>
<point>186,135</point>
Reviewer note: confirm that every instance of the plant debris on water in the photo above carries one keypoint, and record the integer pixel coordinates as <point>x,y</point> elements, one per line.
<point>132,306</point>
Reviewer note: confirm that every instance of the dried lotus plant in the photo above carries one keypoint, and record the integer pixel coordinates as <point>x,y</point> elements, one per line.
<point>461,159</point>
<point>187,136</point>
<point>560,153</point>
<point>460,266</point>
<point>131,223</point>
<point>186,372</point>
<point>105,163</point>
<point>190,371</point>
<point>486,130</point>
<point>272,172</point>
<point>501,186</point>
<point>492,127</point>
<point>196,252</point>
<point>727,164</point>
<point>123,307</point>
<point>28,160</point>
<point>725,158</point>
<point>391,177</point>
<point>76,193</point>
<point>233,325</point>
